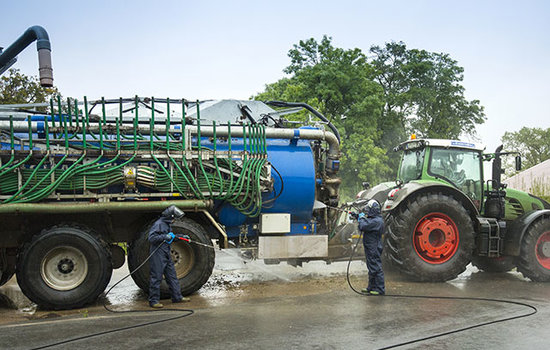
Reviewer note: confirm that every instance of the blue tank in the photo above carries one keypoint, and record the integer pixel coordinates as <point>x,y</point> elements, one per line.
<point>293,161</point>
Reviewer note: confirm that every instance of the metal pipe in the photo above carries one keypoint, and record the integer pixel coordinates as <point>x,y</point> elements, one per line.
<point>208,131</point>
<point>277,133</point>
<point>44,53</point>
<point>87,207</point>
<point>309,108</point>
<point>217,226</point>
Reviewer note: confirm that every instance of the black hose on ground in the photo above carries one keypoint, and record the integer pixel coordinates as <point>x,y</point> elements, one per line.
<point>532,312</point>
<point>186,312</point>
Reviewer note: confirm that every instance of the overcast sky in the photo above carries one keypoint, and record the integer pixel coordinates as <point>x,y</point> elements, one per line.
<point>231,49</point>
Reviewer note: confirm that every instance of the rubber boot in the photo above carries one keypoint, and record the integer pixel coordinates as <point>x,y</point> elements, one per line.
<point>182,300</point>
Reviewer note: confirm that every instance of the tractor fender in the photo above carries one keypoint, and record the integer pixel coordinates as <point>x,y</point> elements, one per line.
<point>517,229</point>
<point>378,192</point>
<point>412,189</point>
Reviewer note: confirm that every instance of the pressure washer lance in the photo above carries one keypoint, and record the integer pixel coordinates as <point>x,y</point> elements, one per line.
<point>187,239</point>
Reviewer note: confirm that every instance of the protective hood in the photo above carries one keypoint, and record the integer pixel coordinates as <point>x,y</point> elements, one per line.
<point>172,212</point>
<point>372,208</point>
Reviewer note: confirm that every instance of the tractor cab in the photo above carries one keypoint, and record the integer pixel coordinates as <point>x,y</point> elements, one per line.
<point>460,165</point>
<point>455,163</point>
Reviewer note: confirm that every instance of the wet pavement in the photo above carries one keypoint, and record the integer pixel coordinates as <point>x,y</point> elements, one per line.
<point>247,304</point>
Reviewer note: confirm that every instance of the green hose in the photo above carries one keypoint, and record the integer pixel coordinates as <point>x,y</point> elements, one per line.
<point>199,172</point>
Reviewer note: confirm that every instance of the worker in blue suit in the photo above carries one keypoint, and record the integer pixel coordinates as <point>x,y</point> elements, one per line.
<point>371,225</point>
<point>161,262</point>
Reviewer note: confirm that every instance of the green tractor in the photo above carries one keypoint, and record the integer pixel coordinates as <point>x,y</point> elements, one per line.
<point>441,215</point>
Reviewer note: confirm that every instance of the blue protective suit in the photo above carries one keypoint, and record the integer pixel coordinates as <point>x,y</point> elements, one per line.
<point>372,227</point>
<point>161,262</point>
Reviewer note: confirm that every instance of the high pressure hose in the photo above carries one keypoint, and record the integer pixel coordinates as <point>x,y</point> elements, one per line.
<point>533,309</point>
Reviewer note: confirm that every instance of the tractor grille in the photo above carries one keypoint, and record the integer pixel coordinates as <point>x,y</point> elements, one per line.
<point>514,207</point>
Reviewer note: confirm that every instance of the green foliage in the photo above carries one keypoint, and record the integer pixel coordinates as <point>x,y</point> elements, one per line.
<point>532,143</point>
<point>376,102</point>
<point>16,88</point>
<point>423,93</point>
<point>336,82</point>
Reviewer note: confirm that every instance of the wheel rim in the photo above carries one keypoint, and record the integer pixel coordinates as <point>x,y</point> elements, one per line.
<point>542,250</point>
<point>183,257</point>
<point>436,238</point>
<point>64,268</point>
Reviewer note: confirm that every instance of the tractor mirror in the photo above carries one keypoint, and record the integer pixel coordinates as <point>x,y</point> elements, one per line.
<point>518,162</point>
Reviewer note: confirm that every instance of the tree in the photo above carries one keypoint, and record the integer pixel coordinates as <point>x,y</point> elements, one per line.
<point>336,82</point>
<point>16,88</point>
<point>423,93</point>
<point>375,102</point>
<point>532,143</point>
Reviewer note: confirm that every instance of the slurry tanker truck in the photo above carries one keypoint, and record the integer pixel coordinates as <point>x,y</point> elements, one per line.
<point>81,180</point>
<point>78,180</point>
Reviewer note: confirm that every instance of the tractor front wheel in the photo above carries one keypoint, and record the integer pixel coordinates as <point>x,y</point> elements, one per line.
<point>430,237</point>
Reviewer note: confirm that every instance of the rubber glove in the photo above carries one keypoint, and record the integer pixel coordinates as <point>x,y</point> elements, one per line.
<point>170,237</point>
<point>361,215</point>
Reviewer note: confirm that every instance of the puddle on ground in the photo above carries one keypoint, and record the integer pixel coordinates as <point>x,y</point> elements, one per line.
<point>237,279</point>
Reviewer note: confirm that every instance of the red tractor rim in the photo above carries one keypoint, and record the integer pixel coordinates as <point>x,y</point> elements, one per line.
<point>542,242</point>
<point>436,238</point>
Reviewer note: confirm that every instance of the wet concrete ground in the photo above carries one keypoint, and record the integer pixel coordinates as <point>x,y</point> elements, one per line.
<point>252,305</point>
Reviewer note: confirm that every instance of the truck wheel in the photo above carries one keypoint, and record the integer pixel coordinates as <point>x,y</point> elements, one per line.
<point>500,264</point>
<point>64,267</point>
<point>194,263</point>
<point>534,259</point>
<point>430,238</point>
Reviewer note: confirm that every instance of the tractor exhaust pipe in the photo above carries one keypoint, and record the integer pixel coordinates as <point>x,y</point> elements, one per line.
<point>8,56</point>
<point>497,167</point>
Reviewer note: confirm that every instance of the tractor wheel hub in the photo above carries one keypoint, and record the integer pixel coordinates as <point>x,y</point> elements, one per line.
<point>545,249</point>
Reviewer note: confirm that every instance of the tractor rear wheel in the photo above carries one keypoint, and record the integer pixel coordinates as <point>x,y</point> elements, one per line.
<point>194,263</point>
<point>430,237</point>
<point>496,265</point>
<point>534,259</point>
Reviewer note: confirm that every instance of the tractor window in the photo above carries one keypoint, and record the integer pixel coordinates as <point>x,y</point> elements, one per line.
<point>411,165</point>
<point>460,167</point>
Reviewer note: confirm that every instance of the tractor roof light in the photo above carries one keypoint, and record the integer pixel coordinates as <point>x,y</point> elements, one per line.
<point>413,136</point>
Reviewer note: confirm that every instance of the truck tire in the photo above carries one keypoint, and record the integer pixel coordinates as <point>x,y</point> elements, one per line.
<point>194,263</point>
<point>64,267</point>
<point>430,238</point>
<point>534,258</point>
<point>496,265</point>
